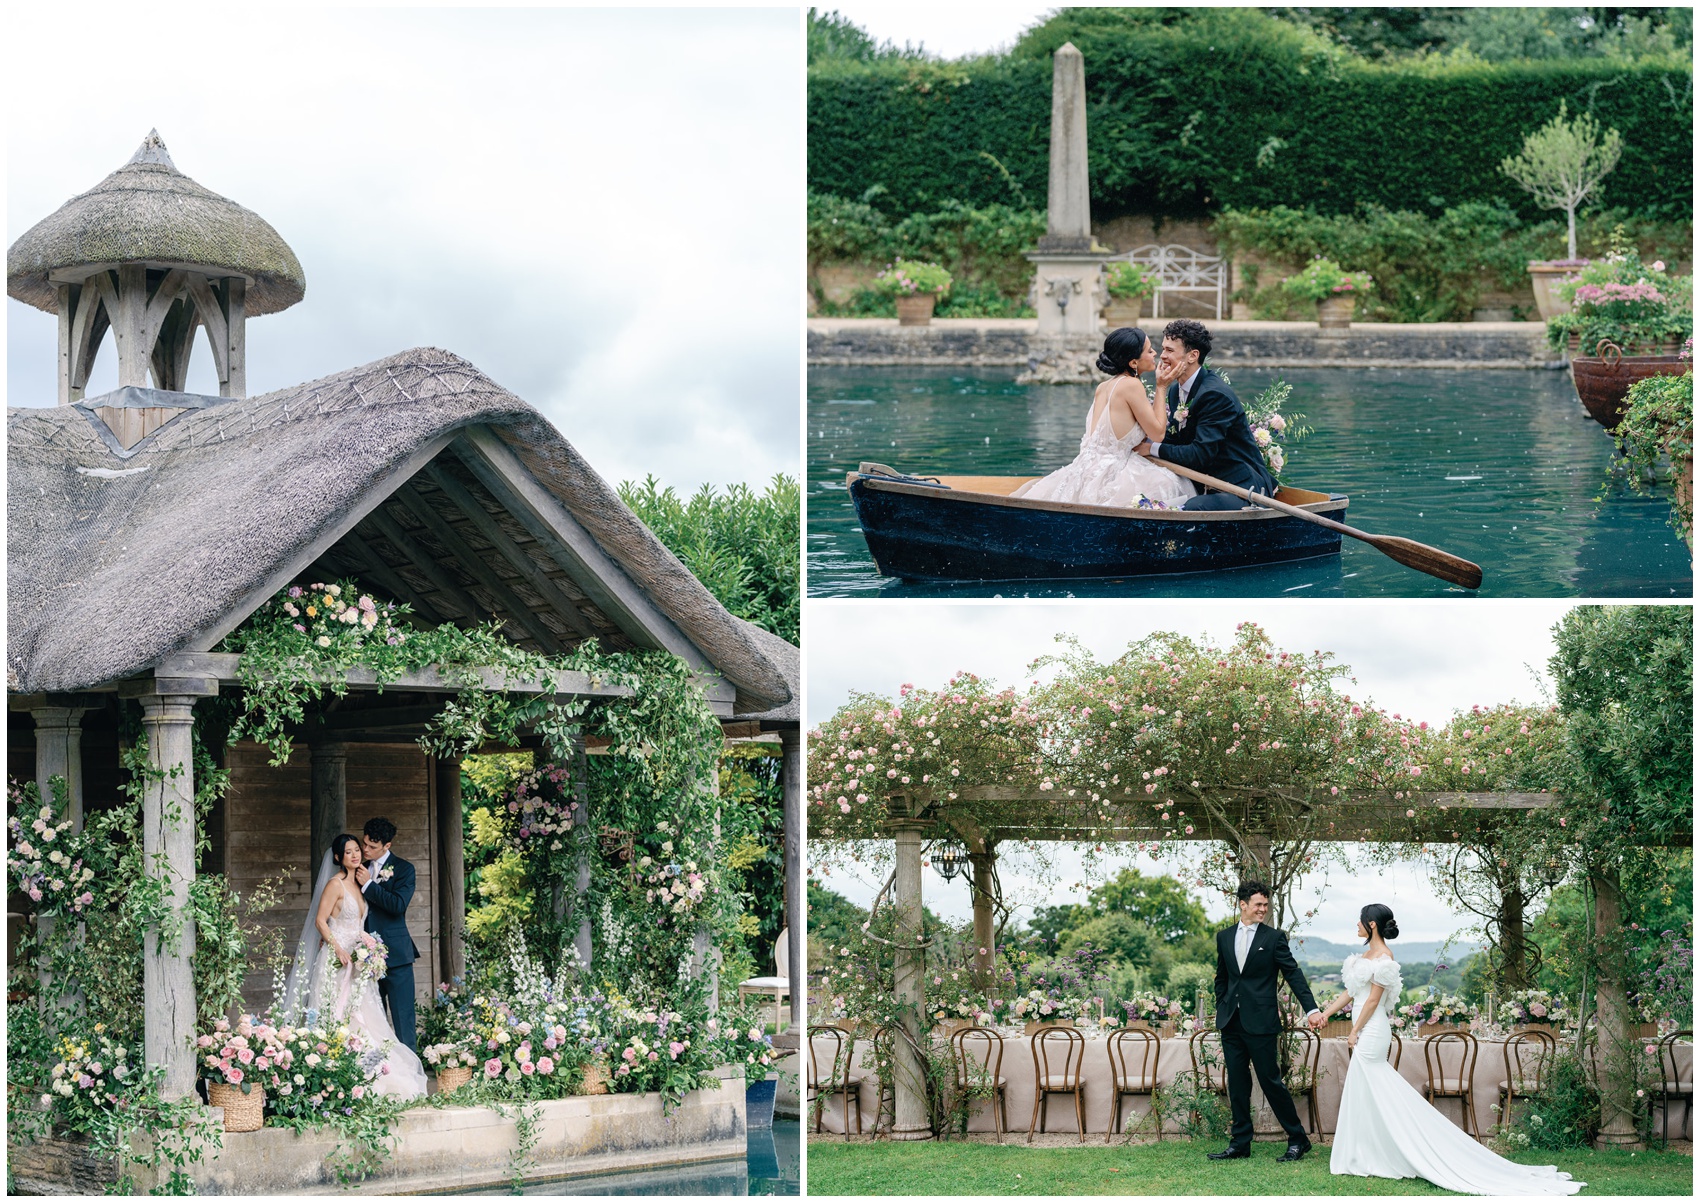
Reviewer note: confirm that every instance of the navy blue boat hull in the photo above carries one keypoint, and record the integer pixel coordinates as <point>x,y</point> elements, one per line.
<point>941,535</point>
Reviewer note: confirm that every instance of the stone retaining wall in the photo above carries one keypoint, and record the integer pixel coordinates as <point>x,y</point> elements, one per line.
<point>877,342</point>
<point>442,1149</point>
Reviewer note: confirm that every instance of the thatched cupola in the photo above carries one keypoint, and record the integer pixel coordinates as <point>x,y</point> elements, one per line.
<point>151,255</point>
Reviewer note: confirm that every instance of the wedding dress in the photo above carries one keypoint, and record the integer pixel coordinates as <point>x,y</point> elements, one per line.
<point>322,991</point>
<point>1108,472</point>
<point>1387,1129</point>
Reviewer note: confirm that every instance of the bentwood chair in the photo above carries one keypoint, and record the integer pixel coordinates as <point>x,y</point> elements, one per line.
<point>1529,1056</point>
<point>1209,1068</point>
<point>1671,1084</point>
<point>1307,1066</point>
<point>1395,1051</point>
<point>840,1079</point>
<point>1133,1070</point>
<point>1059,1057</point>
<point>884,1045</point>
<point>1445,1084</point>
<point>977,1054</point>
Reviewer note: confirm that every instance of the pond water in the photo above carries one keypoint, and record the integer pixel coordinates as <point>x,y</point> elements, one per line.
<point>772,1165</point>
<point>1501,467</point>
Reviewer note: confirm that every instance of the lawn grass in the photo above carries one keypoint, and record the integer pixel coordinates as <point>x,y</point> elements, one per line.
<point>1172,1168</point>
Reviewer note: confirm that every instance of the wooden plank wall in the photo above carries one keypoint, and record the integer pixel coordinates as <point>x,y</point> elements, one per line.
<point>267,828</point>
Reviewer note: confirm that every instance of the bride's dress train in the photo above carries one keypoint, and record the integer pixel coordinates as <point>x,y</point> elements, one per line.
<point>395,1068</point>
<point>1108,472</point>
<point>1387,1129</point>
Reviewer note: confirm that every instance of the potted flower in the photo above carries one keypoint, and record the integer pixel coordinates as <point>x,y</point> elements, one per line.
<point>1546,276</point>
<point>1658,419</point>
<point>448,1045</point>
<point>1334,290</point>
<point>1437,1013</point>
<point>233,1059</point>
<point>915,286</point>
<point>1532,1009</point>
<point>1620,299</point>
<point>1127,285</point>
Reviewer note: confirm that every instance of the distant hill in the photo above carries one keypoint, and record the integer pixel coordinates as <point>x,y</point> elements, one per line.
<point>1311,950</point>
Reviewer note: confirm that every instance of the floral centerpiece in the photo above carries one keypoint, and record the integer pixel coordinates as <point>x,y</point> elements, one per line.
<point>1040,1006</point>
<point>1154,1009</point>
<point>916,287</point>
<point>1524,1007</point>
<point>1435,1012</point>
<point>1620,299</point>
<point>234,1058</point>
<point>1334,290</point>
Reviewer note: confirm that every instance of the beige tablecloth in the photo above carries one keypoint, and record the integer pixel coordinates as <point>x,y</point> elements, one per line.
<point>1173,1058</point>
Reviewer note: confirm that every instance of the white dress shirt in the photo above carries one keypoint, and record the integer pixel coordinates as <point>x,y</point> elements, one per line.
<point>1242,942</point>
<point>1182,390</point>
<point>373,869</point>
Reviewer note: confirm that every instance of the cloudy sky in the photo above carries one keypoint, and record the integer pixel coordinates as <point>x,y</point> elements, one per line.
<point>599,208</point>
<point>947,30</point>
<point>1422,658</point>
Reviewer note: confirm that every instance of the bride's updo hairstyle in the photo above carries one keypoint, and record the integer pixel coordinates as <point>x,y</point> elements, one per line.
<point>339,845</point>
<point>1382,919</point>
<point>1122,349</point>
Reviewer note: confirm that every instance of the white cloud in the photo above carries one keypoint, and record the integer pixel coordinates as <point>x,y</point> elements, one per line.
<point>599,208</point>
<point>946,30</point>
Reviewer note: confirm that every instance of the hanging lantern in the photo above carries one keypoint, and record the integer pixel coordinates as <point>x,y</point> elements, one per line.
<point>950,858</point>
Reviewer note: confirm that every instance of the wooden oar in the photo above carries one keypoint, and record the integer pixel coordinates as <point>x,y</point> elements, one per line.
<point>1408,552</point>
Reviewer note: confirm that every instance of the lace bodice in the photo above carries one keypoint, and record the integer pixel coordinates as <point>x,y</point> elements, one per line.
<point>345,920</point>
<point>1360,972</point>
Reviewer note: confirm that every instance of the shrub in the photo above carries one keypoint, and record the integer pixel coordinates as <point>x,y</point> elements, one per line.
<point>1322,279</point>
<point>1658,420</point>
<point>1130,281</point>
<point>1566,1112</point>
<point>1621,299</point>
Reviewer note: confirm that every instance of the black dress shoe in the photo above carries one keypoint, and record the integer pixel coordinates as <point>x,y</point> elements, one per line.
<point>1295,1151</point>
<point>1231,1153</point>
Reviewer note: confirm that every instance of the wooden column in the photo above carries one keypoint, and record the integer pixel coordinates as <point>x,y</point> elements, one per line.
<point>134,356</point>
<point>451,870</point>
<point>168,844</point>
<point>66,295</point>
<point>912,1120</point>
<point>233,299</point>
<point>586,844</point>
<point>59,753</point>
<point>985,941</point>
<point>329,797</point>
<point>796,883</point>
<point>1611,1000</point>
<point>704,958</point>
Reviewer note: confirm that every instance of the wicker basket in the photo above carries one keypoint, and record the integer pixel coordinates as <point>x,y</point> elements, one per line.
<point>595,1080</point>
<point>453,1078</point>
<point>242,1112</point>
<point>1034,1026</point>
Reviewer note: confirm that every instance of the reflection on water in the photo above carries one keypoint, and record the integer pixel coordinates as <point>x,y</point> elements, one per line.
<point>772,1165</point>
<point>1500,467</point>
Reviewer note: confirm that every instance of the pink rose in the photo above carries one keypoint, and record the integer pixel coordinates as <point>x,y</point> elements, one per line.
<point>234,1076</point>
<point>546,1065</point>
<point>358,1092</point>
<point>527,1068</point>
<point>492,1067</point>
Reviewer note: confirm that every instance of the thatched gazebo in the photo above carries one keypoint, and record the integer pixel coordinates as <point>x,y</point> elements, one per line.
<point>148,523</point>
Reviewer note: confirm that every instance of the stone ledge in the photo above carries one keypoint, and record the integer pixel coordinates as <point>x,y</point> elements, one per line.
<point>436,1150</point>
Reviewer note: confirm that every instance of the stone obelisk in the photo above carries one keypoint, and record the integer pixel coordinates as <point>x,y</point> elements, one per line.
<point>1068,263</point>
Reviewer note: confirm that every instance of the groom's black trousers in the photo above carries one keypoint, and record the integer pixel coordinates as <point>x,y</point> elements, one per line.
<point>396,990</point>
<point>1242,1052</point>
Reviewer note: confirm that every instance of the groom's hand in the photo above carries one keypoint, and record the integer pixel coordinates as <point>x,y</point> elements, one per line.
<point>1314,1020</point>
<point>362,875</point>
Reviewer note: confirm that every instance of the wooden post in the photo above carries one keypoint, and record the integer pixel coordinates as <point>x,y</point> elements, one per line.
<point>66,295</point>
<point>704,958</point>
<point>133,356</point>
<point>451,870</point>
<point>234,298</point>
<point>796,884</point>
<point>1611,1001</point>
<point>59,753</point>
<point>586,844</point>
<point>912,1120</point>
<point>168,844</point>
<point>329,804</point>
<point>985,941</point>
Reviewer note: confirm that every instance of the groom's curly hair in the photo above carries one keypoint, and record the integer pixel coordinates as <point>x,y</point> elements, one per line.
<point>381,830</point>
<point>1192,335</point>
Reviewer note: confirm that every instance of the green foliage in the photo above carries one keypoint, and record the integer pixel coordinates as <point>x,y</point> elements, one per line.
<point>1130,281</point>
<point>1658,422</point>
<point>1234,108</point>
<point>1620,298</point>
<point>833,37</point>
<point>1565,1114</point>
<point>742,545</point>
<point>1191,981</point>
<point>1322,280</point>
<point>1562,163</point>
<point>910,277</point>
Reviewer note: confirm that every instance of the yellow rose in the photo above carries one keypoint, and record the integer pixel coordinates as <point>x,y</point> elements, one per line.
<point>311,612</point>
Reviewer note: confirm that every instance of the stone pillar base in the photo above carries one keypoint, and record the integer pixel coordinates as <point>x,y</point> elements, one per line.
<point>910,1134</point>
<point>1068,291</point>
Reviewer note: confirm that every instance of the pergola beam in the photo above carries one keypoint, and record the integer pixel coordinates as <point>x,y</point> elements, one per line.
<point>370,563</point>
<point>426,565</point>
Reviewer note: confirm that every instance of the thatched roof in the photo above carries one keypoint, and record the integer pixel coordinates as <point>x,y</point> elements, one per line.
<point>117,558</point>
<point>790,661</point>
<point>149,211</point>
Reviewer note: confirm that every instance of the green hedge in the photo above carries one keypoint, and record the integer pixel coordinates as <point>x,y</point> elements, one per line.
<point>1234,108</point>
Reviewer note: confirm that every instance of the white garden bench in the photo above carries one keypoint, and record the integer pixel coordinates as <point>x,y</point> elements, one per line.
<point>1180,269</point>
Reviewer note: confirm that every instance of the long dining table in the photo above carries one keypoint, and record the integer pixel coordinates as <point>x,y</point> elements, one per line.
<point>1174,1058</point>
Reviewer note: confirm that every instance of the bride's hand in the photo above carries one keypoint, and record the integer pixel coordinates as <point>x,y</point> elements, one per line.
<point>342,955</point>
<point>1352,1040</point>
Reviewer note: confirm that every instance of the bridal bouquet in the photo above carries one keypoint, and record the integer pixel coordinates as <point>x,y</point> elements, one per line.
<point>370,957</point>
<point>1532,1006</point>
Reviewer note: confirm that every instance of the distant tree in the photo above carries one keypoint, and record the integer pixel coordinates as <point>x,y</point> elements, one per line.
<point>835,37</point>
<point>1563,162</point>
<point>1119,937</point>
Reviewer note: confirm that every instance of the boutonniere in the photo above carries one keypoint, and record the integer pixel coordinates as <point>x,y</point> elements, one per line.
<point>1180,416</point>
<point>386,873</point>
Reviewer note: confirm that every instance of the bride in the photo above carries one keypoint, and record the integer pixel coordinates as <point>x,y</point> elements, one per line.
<point>1389,1130</point>
<point>323,986</point>
<point>1108,471</point>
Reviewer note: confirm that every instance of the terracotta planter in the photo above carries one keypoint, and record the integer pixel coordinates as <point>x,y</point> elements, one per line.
<point>453,1078</point>
<point>1602,383</point>
<point>1124,311</point>
<point>916,309</point>
<point>242,1112</point>
<point>1036,1025</point>
<point>1545,279</point>
<point>1573,347</point>
<point>1335,313</point>
<point>1644,1031</point>
<point>1140,1023</point>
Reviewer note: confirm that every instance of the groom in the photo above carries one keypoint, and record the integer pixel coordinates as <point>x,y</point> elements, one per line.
<point>1249,955</point>
<point>1208,431</point>
<point>387,883</point>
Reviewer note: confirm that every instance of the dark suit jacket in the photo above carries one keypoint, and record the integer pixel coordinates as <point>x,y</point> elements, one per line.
<point>386,911</point>
<point>1216,439</point>
<point>1252,992</point>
